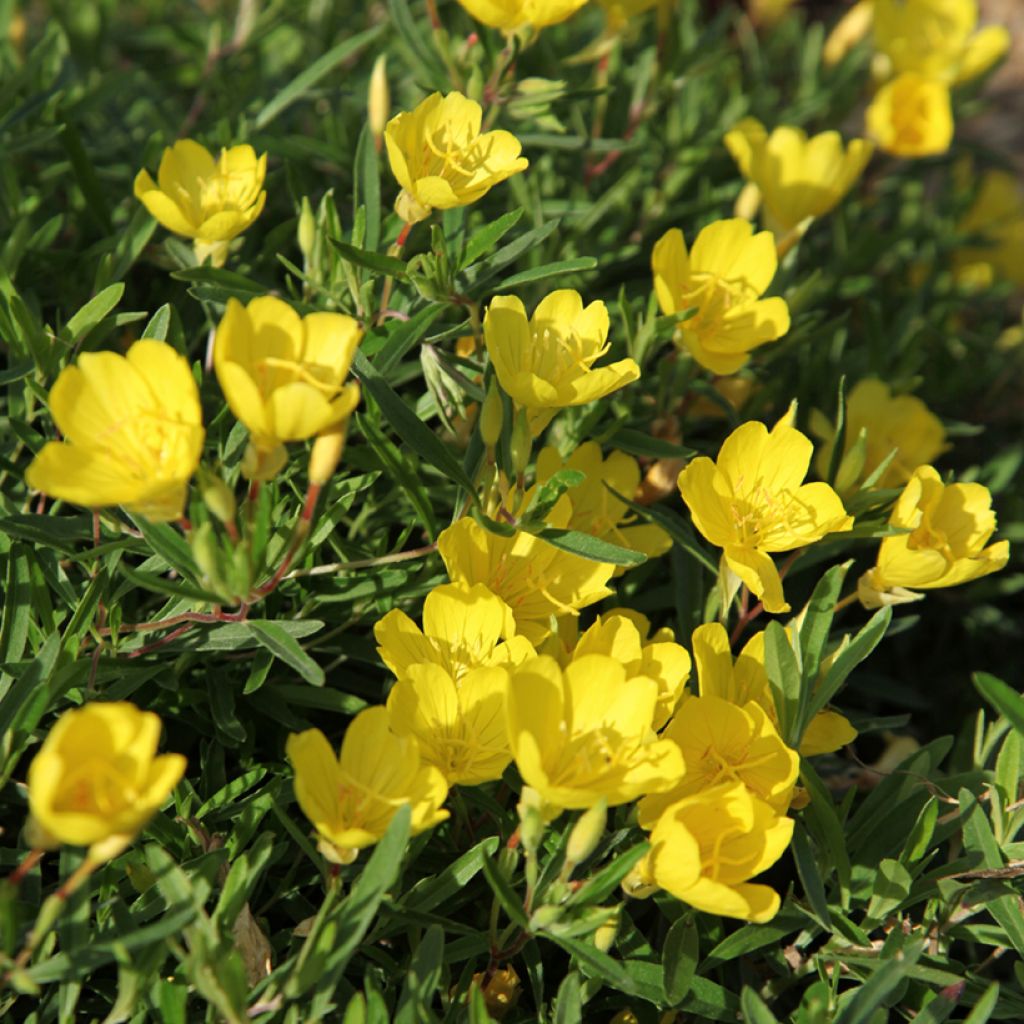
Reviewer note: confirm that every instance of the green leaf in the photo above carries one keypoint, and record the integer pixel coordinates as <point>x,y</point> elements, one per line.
<point>755,1011</point>
<point>303,82</point>
<point>367,167</point>
<point>592,548</point>
<point>839,437</point>
<point>487,237</point>
<point>422,979</point>
<point>985,1006</point>
<point>158,324</point>
<point>378,262</point>
<point>858,649</point>
<point>783,671</point>
<point>287,649</point>
<point>810,876</point>
<point>890,888</point>
<point>510,901</point>
<point>879,987</point>
<point>94,311</point>
<point>679,958</point>
<point>569,1001</point>
<point>596,964</point>
<point>1003,698</point>
<point>547,271</point>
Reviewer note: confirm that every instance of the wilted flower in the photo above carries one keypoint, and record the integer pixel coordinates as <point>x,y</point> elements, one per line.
<point>624,635</point>
<point>595,510</point>
<point>284,375</point>
<point>911,116</point>
<point>132,429</point>
<point>949,527</point>
<point>891,423</point>
<point>753,501</point>
<point>509,15</point>
<point>209,200</point>
<point>351,797</point>
<point>464,627</point>
<point>534,578</point>
<point>546,362</point>
<point>705,848</point>
<point>996,217</point>
<point>726,742</point>
<point>745,681</point>
<point>441,159</point>
<point>937,38</point>
<point>97,779</point>
<point>722,279</point>
<point>799,178</point>
<point>460,726</point>
<point>584,733</point>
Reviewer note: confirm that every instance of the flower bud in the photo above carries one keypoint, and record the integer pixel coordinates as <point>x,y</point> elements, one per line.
<point>508,861</point>
<point>491,416</point>
<point>307,230</point>
<point>216,495</point>
<point>409,209</point>
<point>378,103</point>
<point>261,465</point>
<point>605,935</point>
<point>521,442</point>
<point>531,819</point>
<point>851,28</point>
<point>326,454</point>
<point>586,833</point>
<point>544,917</point>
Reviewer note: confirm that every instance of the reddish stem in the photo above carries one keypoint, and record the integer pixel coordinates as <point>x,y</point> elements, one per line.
<point>32,858</point>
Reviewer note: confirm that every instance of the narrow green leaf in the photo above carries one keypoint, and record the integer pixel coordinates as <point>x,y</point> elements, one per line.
<point>755,1010</point>
<point>569,1001</point>
<point>858,649</point>
<point>547,271</point>
<point>510,901</point>
<point>593,548</point>
<point>1003,698</point>
<point>985,1006</point>
<point>487,237</point>
<point>810,876</point>
<point>679,958</point>
<point>287,649</point>
<point>882,983</point>
<point>94,311</point>
<point>783,671</point>
<point>422,979</point>
<point>596,964</point>
<point>378,262</point>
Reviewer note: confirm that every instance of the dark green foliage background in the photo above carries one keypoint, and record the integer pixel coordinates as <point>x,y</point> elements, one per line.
<point>880,922</point>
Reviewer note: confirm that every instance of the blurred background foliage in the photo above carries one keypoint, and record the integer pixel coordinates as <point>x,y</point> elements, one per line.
<point>900,898</point>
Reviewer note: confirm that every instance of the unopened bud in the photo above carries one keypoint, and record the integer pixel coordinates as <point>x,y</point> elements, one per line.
<point>206,551</point>
<point>216,495</point>
<point>521,442</point>
<point>851,28</point>
<point>307,230</point>
<point>748,202</point>
<point>531,819</point>
<point>508,861</point>
<point>586,833</point>
<point>378,104</point>
<point>326,454</point>
<point>261,465</point>
<point>501,993</point>
<point>491,416</point>
<point>605,935</point>
<point>544,917</point>
<point>410,209</point>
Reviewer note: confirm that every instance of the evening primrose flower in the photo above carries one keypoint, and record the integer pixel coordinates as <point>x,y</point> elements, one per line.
<point>441,159</point>
<point>726,742</point>
<point>534,578</point>
<point>211,200</point>
<point>460,726</point>
<point>745,681</point>
<point>706,847</point>
<point>97,779</point>
<point>132,428</point>
<point>799,178</point>
<point>996,220</point>
<point>752,502</point>
<point>911,116</point>
<point>595,510</point>
<point>546,362</point>
<point>464,627</point>
<point>891,423</point>
<point>949,527</point>
<point>624,635</point>
<point>351,797</point>
<point>284,375</point>
<point>722,279</point>
<point>510,15</point>
<point>584,733</point>
<point>937,38</point>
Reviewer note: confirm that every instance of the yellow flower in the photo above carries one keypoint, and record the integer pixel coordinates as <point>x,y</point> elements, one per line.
<point>911,116</point>
<point>849,30</point>
<point>937,38</point>
<point>464,627</point>
<point>133,432</point>
<point>509,15</point>
<point>798,178</point>
<point>726,742</point>
<point>997,217</point>
<point>595,510</point>
<point>753,502</point>
<point>766,13</point>
<point>619,13</point>
<point>545,363</point>
<point>209,200</point>
<point>284,375</point>
<point>624,635</point>
<point>891,422</point>
<point>723,279</point>
<point>949,526</point>
<point>351,797</point>
<point>441,159</point>
<point>584,733</point>
<point>97,779</point>
<point>745,681</point>
<point>460,726</point>
<point>705,848</point>
<point>534,578</point>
